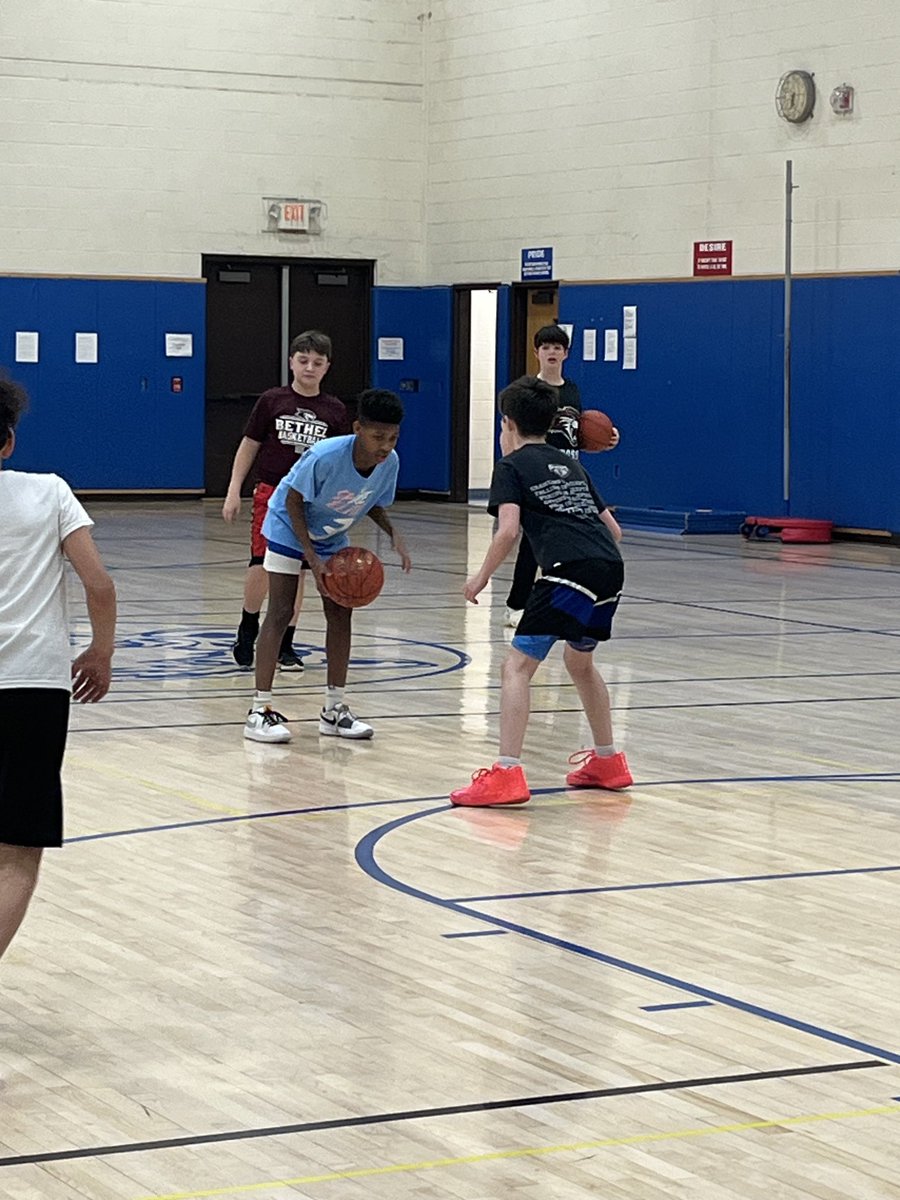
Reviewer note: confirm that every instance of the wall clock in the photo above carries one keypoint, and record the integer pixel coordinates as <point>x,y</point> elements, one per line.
<point>795,96</point>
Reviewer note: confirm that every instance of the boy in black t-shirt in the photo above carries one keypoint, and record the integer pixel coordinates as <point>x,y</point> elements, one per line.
<point>551,348</point>
<point>573,536</point>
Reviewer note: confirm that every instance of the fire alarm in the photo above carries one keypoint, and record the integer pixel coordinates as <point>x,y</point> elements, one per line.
<point>842,99</point>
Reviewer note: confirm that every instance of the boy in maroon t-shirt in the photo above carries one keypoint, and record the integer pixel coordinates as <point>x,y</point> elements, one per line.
<point>285,422</point>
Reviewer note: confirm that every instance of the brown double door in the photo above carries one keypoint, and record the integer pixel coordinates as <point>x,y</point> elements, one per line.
<point>254,306</point>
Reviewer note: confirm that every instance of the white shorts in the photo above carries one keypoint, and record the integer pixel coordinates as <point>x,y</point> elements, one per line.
<point>282,564</point>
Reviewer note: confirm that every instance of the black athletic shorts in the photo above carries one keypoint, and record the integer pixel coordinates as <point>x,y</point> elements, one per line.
<point>33,727</point>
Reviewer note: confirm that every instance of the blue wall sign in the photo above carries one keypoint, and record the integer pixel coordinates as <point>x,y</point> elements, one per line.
<point>537,263</point>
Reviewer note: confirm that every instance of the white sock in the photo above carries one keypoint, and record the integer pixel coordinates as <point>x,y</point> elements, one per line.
<point>506,761</point>
<point>604,751</point>
<point>333,697</point>
<point>262,700</point>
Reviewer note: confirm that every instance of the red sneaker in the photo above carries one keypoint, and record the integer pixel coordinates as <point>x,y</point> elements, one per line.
<point>610,771</point>
<point>493,785</point>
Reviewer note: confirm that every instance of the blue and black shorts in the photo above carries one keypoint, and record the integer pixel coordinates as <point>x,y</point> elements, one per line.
<point>573,602</point>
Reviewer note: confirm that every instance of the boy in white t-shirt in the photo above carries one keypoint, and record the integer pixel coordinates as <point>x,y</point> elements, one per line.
<point>41,525</point>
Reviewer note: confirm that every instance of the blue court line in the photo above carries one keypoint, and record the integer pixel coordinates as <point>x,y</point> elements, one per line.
<point>189,566</point>
<point>745,703</point>
<point>139,696</point>
<point>385,606</point>
<point>495,712</point>
<point>425,671</point>
<point>763,599</point>
<point>104,535</point>
<point>676,883</point>
<point>710,635</point>
<point>826,626</point>
<point>237,818</point>
<point>226,606</point>
<point>876,777</point>
<point>477,933</point>
<point>209,613</point>
<point>669,1007</point>
<point>776,558</point>
<point>366,860</point>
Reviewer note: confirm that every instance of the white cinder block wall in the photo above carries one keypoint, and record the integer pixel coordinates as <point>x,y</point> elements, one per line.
<point>620,133</point>
<point>444,135</point>
<point>135,136</point>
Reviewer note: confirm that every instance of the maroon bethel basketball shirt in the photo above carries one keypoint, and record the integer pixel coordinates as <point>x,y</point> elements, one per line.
<point>286,424</point>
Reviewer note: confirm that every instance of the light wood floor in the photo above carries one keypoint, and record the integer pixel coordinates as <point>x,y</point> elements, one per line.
<point>690,992</point>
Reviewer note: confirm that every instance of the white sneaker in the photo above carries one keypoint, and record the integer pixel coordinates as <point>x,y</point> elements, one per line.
<point>266,725</point>
<point>513,617</point>
<point>340,722</point>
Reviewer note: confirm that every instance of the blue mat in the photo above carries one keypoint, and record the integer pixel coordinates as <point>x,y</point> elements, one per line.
<point>679,520</point>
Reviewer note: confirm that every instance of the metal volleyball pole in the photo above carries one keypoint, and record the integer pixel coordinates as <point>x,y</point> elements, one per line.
<point>788,282</point>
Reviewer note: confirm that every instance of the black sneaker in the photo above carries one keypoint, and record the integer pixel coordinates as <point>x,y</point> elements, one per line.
<point>288,660</point>
<point>242,650</point>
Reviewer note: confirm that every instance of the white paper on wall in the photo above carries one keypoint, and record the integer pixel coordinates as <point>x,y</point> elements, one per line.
<point>27,346</point>
<point>589,345</point>
<point>611,345</point>
<point>629,320</point>
<point>390,349</point>
<point>179,345</point>
<point>86,348</point>
<point>629,356</point>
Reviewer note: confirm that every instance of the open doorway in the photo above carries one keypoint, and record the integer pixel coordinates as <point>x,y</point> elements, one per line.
<point>254,306</point>
<point>474,390</point>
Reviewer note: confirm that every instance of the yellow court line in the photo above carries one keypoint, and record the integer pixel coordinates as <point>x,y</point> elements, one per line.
<point>151,785</point>
<point>637,1139</point>
<point>830,762</point>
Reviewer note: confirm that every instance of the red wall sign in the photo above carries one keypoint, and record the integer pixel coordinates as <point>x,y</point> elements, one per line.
<point>712,258</point>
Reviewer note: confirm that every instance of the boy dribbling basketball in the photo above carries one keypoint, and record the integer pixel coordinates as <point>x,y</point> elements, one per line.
<point>334,484</point>
<point>573,536</point>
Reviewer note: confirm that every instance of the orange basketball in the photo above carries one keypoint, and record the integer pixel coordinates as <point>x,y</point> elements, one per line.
<point>595,430</point>
<point>353,577</point>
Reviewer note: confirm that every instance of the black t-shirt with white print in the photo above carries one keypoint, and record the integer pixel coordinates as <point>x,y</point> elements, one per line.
<point>560,507</point>
<point>564,430</point>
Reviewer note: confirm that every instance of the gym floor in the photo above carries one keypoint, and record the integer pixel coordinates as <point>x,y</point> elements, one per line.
<point>281,971</point>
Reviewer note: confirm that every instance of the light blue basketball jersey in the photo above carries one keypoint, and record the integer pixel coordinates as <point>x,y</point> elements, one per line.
<point>336,495</point>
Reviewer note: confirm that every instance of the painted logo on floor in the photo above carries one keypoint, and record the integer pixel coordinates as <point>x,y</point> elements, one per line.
<point>182,652</point>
